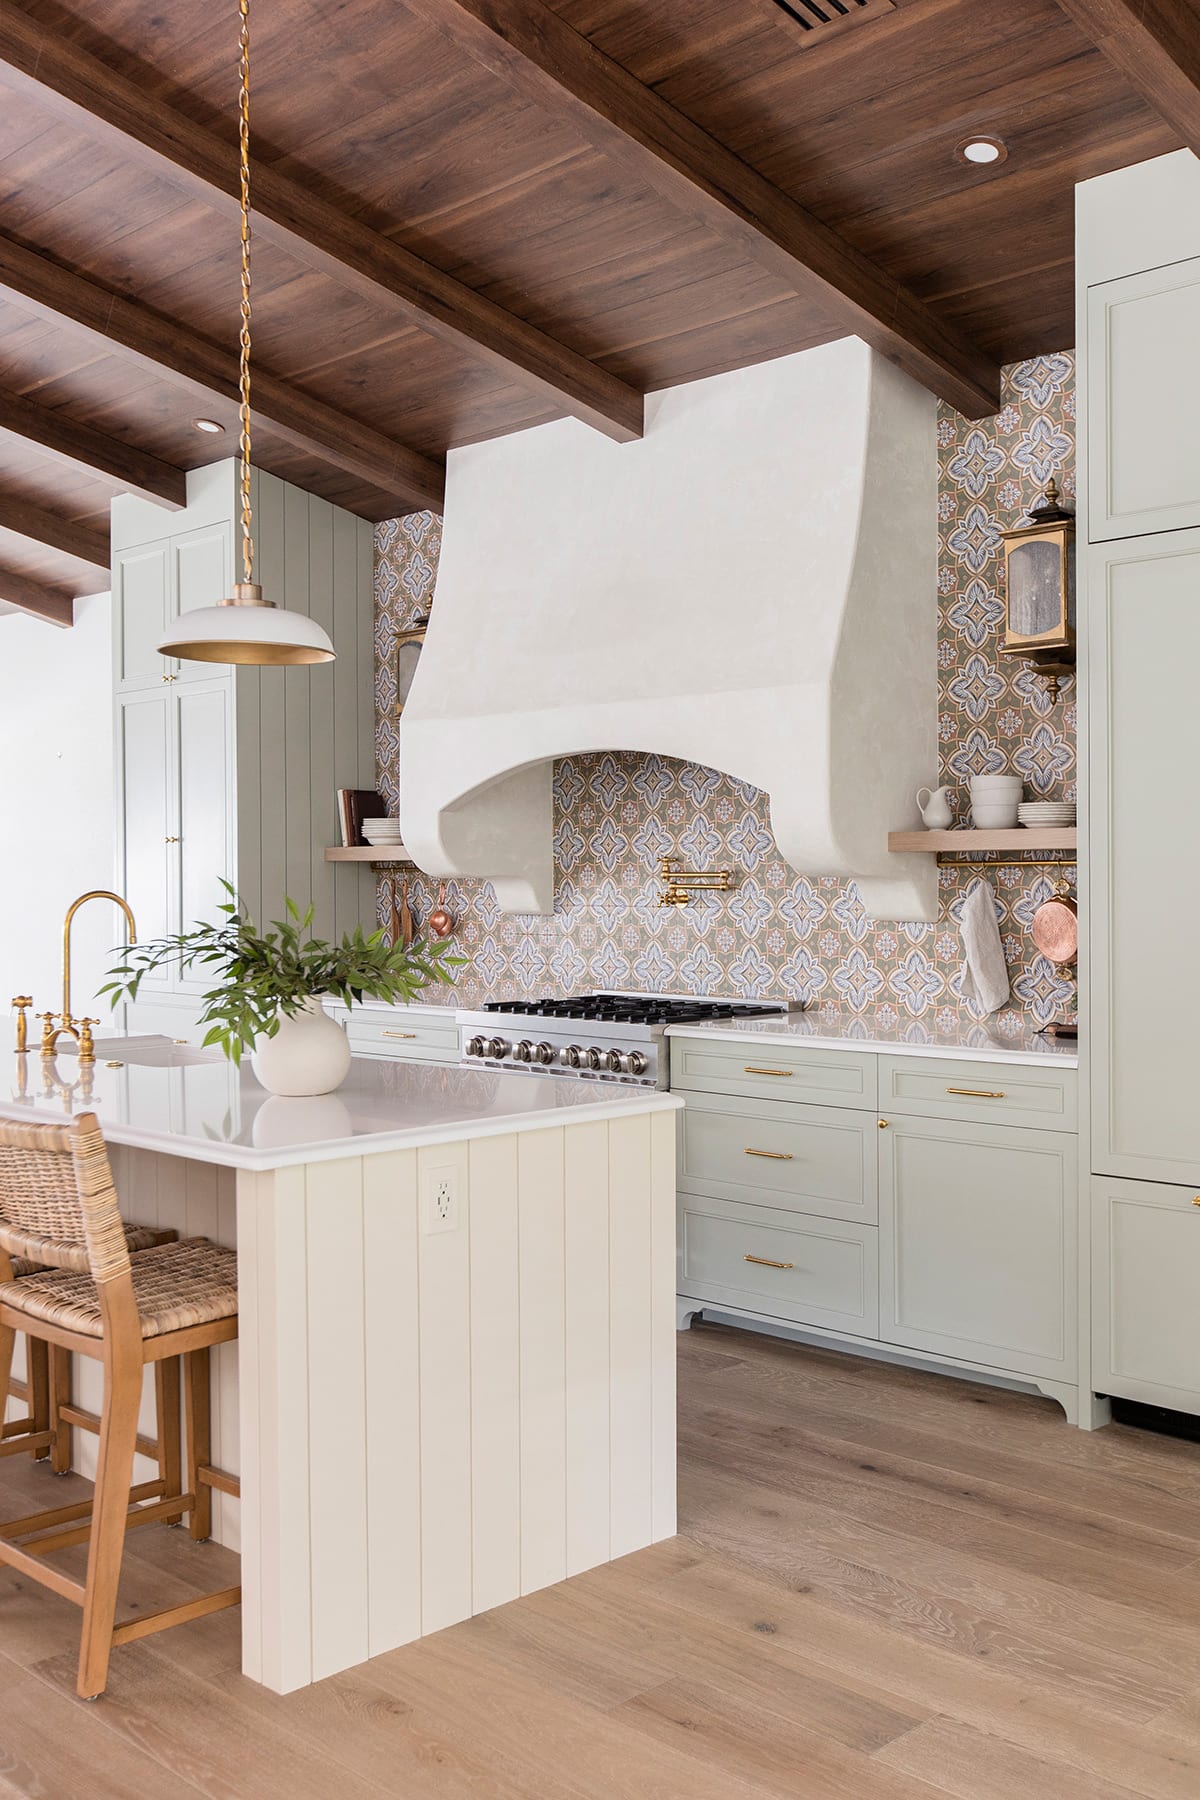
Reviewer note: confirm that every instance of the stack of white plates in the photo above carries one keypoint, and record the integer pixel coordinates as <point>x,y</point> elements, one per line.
<point>381,832</point>
<point>1045,813</point>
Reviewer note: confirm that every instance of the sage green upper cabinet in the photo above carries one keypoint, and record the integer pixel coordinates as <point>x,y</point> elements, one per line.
<point>141,586</point>
<point>201,575</point>
<point>1143,382</point>
<point>1144,650</point>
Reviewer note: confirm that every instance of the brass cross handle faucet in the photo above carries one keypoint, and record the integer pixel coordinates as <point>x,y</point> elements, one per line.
<point>68,1025</point>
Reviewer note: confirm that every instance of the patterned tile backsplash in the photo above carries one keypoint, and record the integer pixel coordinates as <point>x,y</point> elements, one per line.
<point>784,934</point>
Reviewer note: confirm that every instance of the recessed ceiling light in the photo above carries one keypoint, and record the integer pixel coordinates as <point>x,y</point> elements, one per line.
<point>208,425</point>
<point>981,150</point>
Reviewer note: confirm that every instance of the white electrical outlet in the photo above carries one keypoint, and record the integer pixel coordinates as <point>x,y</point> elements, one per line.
<point>440,1200</point>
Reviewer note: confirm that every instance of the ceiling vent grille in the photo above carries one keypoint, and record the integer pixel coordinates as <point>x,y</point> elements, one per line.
<point>819,19</point>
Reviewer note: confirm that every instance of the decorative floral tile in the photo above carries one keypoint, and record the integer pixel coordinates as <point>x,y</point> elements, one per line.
<point>784,934</point>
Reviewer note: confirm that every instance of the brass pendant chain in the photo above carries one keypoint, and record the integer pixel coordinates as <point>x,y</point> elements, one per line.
<point>244,336</point>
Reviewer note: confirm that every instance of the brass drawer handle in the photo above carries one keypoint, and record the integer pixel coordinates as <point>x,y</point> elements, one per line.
<point>979,1093</point>
<point>777,1155</point>
<point>766,1263</point>
<point>1196,1199</point>
<point>787,1073</point>
<point>401,1034</point>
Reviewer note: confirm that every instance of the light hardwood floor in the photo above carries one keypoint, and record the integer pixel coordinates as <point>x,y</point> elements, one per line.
<point>887,1586</point>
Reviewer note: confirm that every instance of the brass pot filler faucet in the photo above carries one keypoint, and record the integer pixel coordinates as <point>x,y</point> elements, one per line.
<point>68,1024</point>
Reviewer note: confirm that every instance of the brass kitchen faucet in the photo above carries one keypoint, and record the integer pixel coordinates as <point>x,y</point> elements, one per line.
<point>68,1025</point>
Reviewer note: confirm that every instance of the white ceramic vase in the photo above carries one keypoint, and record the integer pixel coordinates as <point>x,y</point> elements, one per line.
<point>309,1054</point>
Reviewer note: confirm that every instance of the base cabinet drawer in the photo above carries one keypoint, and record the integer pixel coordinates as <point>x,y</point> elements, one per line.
<point>978,1244</point>
<point>991,1093</point>
<point>1146,1292</point>
<point>810,1159</point>
<point>418,1038</point>
<point>813,1272</point>
<point>766,1069</point>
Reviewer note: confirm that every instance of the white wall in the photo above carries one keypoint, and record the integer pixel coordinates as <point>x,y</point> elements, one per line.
<point>56,804</point>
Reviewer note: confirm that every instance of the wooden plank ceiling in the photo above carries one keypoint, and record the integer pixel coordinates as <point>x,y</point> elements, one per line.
<point>475,215</point>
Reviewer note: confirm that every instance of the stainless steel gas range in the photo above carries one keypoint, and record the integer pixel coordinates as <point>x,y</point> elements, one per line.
<point>593,1037</point>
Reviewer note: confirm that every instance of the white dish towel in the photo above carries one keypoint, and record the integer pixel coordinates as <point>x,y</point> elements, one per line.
<point>985,972</point>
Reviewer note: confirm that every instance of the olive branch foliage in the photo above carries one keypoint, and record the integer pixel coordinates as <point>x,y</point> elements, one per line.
<point>263,975</point>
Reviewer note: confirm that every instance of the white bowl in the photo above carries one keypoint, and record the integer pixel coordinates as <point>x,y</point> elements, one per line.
<point>997,784</point>
<point>994,817</point>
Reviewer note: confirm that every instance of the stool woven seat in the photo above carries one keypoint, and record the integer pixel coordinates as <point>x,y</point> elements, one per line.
<point>137,1237</point>
<point>175,1286</point>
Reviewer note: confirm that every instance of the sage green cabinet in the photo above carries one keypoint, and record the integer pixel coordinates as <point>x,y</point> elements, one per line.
<point>1143,376</point>
<point>978,1243</point>
<point>1143,616</point>
<point>820,1272</point>
<point>1146,1292</point>
<point>811,1159</point>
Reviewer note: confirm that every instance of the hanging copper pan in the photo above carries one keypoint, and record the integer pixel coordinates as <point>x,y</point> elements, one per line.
<point>1055,926</point>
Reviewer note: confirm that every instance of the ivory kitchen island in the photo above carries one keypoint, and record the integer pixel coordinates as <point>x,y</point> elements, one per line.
<point>454,1381</point>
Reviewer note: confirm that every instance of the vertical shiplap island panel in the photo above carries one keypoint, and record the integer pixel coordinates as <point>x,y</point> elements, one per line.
<point>435,1418</point>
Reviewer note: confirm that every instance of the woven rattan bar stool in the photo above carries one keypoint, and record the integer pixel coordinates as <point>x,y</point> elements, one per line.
<point>58,1206</point>
<point>40,1434</point>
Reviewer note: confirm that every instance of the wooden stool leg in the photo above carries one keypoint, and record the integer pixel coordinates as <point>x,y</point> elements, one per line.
<point>199,1447</point>
<point>166,1390</point>
<point>114,1477</point>
<point>37,1363</point>
<point>61,1450</point>
<point>7,1341</point>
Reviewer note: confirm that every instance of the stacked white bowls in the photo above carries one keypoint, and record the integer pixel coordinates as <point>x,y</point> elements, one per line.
<point>994,801</point>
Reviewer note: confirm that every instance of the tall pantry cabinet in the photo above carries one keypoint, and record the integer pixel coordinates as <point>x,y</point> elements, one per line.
<point>226,772</point>
<point>1138,270</point>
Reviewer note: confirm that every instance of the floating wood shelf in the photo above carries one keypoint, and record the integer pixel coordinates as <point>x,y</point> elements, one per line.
<point>972,843</point>
<point>368,853</point>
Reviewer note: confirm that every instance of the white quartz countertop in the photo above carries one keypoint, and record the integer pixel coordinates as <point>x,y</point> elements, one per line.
<point>193,1103</point>
<point>964,1042</point>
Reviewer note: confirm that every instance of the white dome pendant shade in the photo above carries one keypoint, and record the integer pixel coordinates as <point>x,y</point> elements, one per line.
<point>247,629</point>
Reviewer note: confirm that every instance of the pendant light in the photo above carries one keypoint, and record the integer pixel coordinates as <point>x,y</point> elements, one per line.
<point>246,628</point>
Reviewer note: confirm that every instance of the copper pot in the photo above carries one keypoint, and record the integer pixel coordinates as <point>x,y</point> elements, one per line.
<point>440,922</point>
<point>1055,927</point>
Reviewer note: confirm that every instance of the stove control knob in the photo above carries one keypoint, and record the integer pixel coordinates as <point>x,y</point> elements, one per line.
<point>614,1062</point>
<point>593,1058</point>
<point>497,1048</point>
<point>636,1063</point>
<point>523,1052</point>
<point>475,1046</point>
<point>544,1053</point>
<point>571,1057</point>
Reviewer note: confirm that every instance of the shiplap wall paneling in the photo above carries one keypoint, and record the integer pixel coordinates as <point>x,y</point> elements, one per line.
<point>445,1443</point>
<point>588,1422</point>
<point>495,1374</point>
<point>543,1361</point>
<point>392,1338</point>
<point>631,1336</point>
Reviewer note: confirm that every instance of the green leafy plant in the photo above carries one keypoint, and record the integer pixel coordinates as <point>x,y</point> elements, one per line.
<point>265,974</point>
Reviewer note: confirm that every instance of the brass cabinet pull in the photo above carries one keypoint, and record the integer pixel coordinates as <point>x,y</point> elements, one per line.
<point>766,1263</point>
<point>1196,1199</point>
<point>772,1155</point>
<point>403,1034</point>
<point>785,1072</point>
<point>172,840</point>
<point>883,1124</point>
<point>979,1093</point>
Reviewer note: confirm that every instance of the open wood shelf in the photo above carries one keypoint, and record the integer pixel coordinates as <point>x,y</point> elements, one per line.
<point>971,843</point>
<point>368,853</point>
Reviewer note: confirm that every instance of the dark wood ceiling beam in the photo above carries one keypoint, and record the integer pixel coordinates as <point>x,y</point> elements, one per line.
<point>203,369</point>
<point>63,439</point>
<point>56,533</point>
<point>31,597</point>
<point>1156,46</point>
<point>529,45</point>
<point>79,86</point>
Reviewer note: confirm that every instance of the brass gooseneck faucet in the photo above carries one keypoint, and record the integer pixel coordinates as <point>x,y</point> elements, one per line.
<point>68,1025</point>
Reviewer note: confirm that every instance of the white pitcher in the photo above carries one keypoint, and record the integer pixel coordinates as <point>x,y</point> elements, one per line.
<point>934,807</point>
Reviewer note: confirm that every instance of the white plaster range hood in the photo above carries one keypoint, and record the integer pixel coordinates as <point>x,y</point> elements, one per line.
<point>751,586</point>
